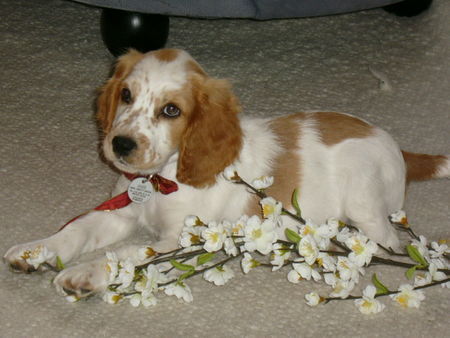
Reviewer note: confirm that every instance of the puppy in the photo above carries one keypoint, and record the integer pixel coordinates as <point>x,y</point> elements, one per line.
<point>160,113</point>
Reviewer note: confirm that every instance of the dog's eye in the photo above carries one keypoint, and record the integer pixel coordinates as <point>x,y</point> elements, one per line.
<point>125,95</point>
<point>171,110</point>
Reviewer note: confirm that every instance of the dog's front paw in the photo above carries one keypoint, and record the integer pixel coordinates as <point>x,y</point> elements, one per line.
<point>82,280</point>
<point>29,257</point>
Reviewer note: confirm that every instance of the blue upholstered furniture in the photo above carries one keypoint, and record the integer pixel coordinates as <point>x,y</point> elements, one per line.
<point>251,9</point>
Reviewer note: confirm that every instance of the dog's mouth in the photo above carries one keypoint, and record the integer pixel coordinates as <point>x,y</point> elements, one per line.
<point>133,163</point>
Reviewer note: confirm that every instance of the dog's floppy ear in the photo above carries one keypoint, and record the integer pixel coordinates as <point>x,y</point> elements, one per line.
<point>109,95</point>
<point>213,136</point>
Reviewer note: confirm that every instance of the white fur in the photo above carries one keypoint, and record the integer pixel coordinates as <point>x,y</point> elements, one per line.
<point>444,170</point>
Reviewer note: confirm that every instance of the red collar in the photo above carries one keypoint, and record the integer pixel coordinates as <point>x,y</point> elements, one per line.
<point>160,184</point>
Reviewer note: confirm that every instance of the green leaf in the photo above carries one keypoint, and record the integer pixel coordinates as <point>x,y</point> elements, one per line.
<point>292,236</point>
<point>294,202</point>
<point>411,271</point>
<point>59,264</point>
<point>381,288</point>
<point>185,275</point>
<point>181,266</point>
<point>205,258</point>
<point>415,255</point>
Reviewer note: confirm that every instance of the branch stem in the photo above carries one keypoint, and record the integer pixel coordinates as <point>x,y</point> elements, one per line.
<point>329,299</point>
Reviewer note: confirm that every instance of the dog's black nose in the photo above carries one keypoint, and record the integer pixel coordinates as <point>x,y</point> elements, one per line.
<point>122,145</point>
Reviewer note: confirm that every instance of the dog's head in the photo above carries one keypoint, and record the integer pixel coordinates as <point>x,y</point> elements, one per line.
<point>162,103</point>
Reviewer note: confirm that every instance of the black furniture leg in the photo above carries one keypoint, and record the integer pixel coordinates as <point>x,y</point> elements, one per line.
<point>409,7</point>
<point>122,30</point>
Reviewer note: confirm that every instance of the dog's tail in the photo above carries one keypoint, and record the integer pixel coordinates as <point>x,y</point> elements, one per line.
<point>421,167</point>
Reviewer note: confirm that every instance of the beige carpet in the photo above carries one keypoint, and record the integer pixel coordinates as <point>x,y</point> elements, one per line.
<point>52,59</point>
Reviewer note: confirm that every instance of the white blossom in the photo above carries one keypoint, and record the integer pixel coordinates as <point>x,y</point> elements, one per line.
<point>280,254</point>
<point>441,263</point>
<point>230,173</point>
<point>307,248</point>
<point>146,298</point>
<point>37,256</point>
<point>344,234</point>
<point>408,297</point>
<point>230,247</point>
<point>446,285</point>
<point>192,221</point>
<point>330,279</point>
<point>368,304</point>
<point>348,270</point>
<point>112,297</point>
<point>179,289</point>
<point>149,279</point>
<point>72,298</point>
<point>126,273</point>
<point>259,236</point>
<point>236,228</point>
<point>303,271</point>
<point>328,230</point>
<point>421,279</point>
<point>313,299</point>
<point>327,262</point>
<point>112,266</point>
<point>294,277</point>
<point>190,235</point>
<point>214,236</point>
<point>342,288</point>
<point>262,182</point>
<point>248,263</point>
<point>333,226</point>
<point>362,249</point>
<point>439,250</point>
<point>435,274</point>
<point>321,234</point>
<point>218,275</point>
<point>145,253</point>
<point>399,217</point>
<point>309,228</point>
<point>271,208</point>
<point>421,245</point>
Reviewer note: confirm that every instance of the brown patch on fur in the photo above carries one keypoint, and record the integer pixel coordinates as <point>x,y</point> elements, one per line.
<point>335,128</point>
<point>124,125</point>
<point>195,68</point>
<point>421,167</point>
<point>212,138</point>
<point>286,171</point>
<point>109,96</point>
<point>138,155</point>
<point>166,54</point>
<point>253,207</point>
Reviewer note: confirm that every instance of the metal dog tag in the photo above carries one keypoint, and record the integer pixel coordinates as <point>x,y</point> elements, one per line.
<point>140,190</point>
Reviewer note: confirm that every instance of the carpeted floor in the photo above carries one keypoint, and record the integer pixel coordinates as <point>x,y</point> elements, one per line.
<point>52,59</point>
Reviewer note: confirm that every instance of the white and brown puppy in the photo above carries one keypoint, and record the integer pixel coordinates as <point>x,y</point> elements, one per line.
<point>161,113</point>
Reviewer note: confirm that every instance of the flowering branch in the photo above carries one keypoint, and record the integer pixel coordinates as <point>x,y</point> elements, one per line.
<point>258,186</point>
<point>206,248</point>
